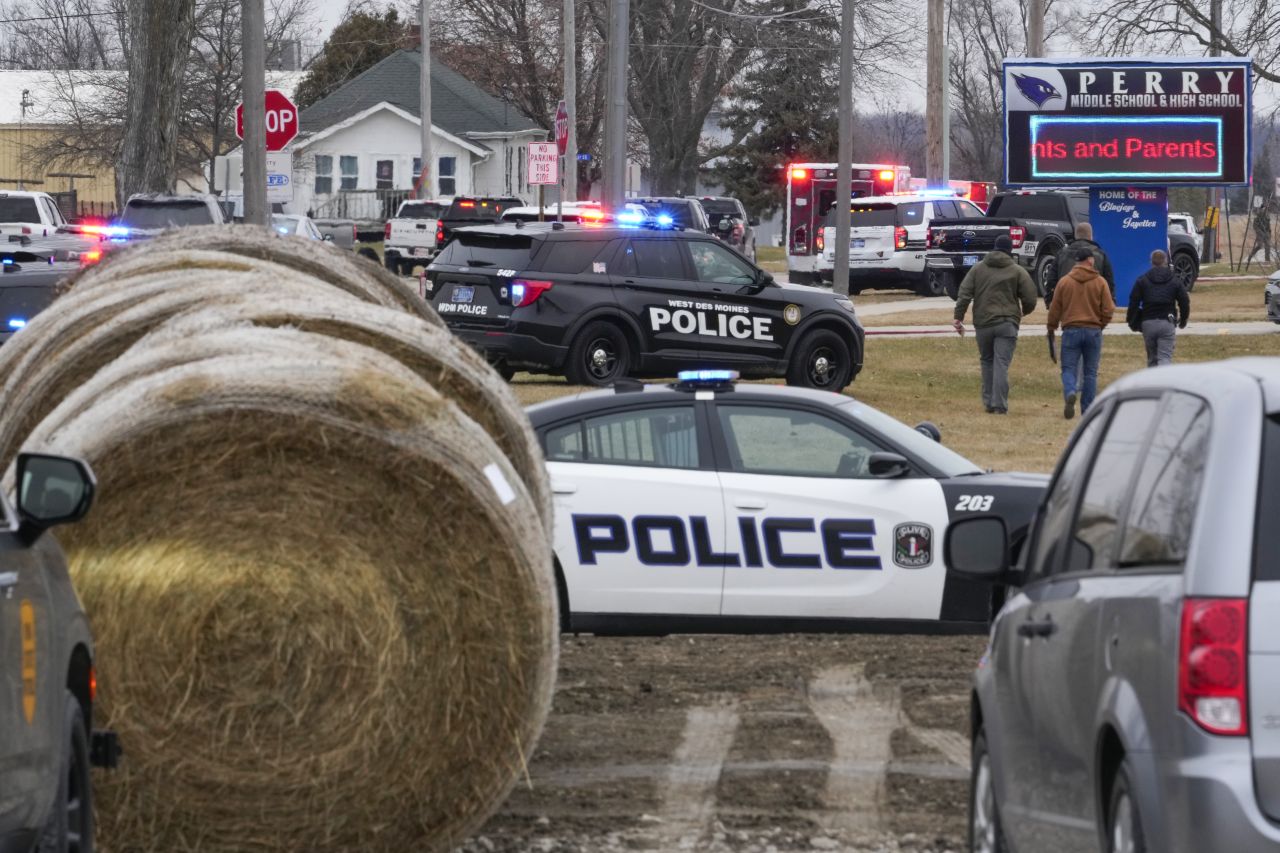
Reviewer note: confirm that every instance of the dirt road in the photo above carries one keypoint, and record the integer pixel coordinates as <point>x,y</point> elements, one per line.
<point>761,744</point>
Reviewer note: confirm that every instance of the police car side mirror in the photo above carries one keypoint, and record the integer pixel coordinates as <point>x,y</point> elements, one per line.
<point>52,490</point>
<point>978,549</point>
<point>888,466</point>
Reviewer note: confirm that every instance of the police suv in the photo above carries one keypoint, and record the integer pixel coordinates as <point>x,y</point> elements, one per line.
<point>708,505</point>
<point>600,303</point>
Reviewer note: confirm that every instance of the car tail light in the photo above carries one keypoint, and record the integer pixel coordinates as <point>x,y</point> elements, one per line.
<point>819,242</point>
<point>467,204</point>
<point>93,685</point>
<point>439,235</point>
<point>526,291</point>
<point>1212,664</point>
<point>355,234</point>
<point>90,257</point>
<point>1017,234</point>
<point>386,231</point>
<point>26,230</point>
<point>900,237</point>
<point>928,238</point>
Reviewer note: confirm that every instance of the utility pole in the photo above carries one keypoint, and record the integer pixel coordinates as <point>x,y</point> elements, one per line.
<point>946,114</point>
<point>1210,252</point>
<point>615,119</point>
<point>844,168</point>
<point>25,103</point>
<point>253,32</point>
<point>1035,28</point>
<point>934,107</point>
<point>569,190</point>
<point>424,95</point>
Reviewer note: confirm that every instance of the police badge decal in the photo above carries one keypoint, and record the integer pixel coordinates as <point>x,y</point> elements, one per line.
<point>913,545</point>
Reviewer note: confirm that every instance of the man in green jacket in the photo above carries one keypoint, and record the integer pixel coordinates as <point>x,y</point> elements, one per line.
<point>1002,293</point>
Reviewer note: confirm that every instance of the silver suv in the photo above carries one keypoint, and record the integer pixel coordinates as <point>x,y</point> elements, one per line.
<point>1130,695</point>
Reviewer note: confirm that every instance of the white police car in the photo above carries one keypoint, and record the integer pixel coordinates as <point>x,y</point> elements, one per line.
<point>706,505</point>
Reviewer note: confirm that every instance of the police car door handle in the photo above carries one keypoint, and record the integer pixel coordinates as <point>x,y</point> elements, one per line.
<point>1037,629</point>
<point>750,503</point>
<point>563,488</point>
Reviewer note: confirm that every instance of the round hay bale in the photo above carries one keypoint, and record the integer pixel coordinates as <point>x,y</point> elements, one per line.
<point>322,599</point>
<point>90,330</point>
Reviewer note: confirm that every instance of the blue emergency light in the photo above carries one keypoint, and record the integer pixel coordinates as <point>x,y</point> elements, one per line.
<point>706,377</point>
<point>630,218</point>
<point>664,220</point>
<point>17,323</point>
<point>7,261</point>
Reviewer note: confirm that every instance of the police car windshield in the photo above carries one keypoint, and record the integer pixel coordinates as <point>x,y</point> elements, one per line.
<point>947,462</point>
<point>866,216</point>
<point>506,251</point>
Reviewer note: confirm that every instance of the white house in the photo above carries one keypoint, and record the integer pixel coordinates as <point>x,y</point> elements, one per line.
<point>359,148</point>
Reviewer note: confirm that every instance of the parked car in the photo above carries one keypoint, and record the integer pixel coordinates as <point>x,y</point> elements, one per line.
<point>1185,223</point>
<point>1272,297</point>
<point>464,211</point>
<point>676,212</point>
<point>341,232</point>
<point>574,211</point>
<point>30,214</point>
<point>887,242</point>
<point>47,680</point>
<point>409,238</point>
<point>729,221</point>
<point>148,214</point>
<point>297,225</point>
<point>1130,695</point>
<point>32,269</point>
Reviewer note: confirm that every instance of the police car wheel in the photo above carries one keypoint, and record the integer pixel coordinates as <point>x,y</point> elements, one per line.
<point>70,825</point>
<point>599,356</point>
<point>822,361</point>
<point>1046,274</point>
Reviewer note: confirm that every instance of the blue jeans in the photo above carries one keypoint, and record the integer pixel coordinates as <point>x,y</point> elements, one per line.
<point>1081,344</point>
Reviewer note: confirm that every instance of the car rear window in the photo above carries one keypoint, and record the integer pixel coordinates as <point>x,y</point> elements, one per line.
<point>504,251</point>
<point>167,214</point>
<point>1029,207</point>
<point>1266,552</point>
<point>571,256</point>
<point>716,207</point>
<point>867,216</point>
<point>420,210</point>
<point>681,212</point>
<point>474,210</point>
<point>18,210</point>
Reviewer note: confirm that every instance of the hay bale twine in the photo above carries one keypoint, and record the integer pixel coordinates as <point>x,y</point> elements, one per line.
<point>99,321</point>
<point>323,602</point>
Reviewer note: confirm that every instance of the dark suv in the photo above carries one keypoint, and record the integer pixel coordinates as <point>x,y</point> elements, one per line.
<point>598,303</point>
<point>729,222</point>
<point>675,212</point>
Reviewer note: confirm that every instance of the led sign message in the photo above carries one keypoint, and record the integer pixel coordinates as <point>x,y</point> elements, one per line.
<point>1128,122</point>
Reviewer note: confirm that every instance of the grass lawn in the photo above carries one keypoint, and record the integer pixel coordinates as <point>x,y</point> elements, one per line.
<point>938,379</point>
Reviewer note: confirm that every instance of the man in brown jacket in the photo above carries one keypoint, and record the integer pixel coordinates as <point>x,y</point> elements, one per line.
<point>1083,306</point>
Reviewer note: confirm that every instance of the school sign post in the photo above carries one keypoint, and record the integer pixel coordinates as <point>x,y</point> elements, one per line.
<point>1128,129</point>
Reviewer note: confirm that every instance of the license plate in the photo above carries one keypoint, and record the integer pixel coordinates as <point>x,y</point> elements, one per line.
<point>413,251</point>
<point>970,260</point>
<point>462,293</point>
<point>857,243</point>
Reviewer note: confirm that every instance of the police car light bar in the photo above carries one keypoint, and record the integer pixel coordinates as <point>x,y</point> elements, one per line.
<point>17,323</point>
<point>630,218</point>
<point>664,220</point>
<point>705,378</point>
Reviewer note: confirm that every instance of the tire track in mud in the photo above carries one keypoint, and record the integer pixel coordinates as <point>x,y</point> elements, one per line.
<point>688,793</point>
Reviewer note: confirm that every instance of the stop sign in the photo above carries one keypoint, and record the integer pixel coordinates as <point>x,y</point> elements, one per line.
<point>282,120</point>
<point>562,128</point>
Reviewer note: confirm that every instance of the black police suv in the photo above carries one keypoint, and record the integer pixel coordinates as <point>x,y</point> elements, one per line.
<point>598,303</point>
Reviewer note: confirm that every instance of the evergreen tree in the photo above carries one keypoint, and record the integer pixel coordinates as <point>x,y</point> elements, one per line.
<point>784,112</point>
<point>363,39</point>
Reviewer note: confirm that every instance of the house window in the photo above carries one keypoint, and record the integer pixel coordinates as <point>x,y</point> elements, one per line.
<point>324,174</point>
<point>448,176</point>
<point>385,174</point>
<point>350,172</point>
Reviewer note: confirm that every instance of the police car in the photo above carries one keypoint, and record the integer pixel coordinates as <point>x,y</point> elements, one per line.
<point>637,298</point>
<point>707,505</point>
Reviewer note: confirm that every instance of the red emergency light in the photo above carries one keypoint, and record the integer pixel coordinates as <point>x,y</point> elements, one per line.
<point>799,174</point>
<point>886,174</point>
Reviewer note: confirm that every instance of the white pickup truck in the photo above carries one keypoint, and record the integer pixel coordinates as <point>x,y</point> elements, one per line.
<point>409,239</point>
<point>31,214</point>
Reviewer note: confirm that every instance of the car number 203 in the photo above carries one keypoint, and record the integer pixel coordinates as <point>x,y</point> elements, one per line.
<point>975,503</point>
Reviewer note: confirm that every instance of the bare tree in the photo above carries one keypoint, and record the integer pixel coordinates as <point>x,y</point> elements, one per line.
<point>1249,28</point>
<point>63,34</point>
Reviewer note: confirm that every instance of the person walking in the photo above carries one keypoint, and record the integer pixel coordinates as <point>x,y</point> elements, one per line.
<point>1002,293</point>
<point>1158,303</point>
<point>1066,259</point>
<point>1083,306</point>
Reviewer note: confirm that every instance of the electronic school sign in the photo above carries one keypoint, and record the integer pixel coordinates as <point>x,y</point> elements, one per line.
<point>1129,122</point>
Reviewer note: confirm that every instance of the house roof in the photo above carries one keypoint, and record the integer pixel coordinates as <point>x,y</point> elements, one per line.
<point>458,106</point>
<point>307,139</point>
<point>49,91</point>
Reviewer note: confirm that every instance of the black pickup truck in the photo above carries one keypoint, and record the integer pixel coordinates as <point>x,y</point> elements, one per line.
<point>471,211</point>
<point>1040,223</point>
